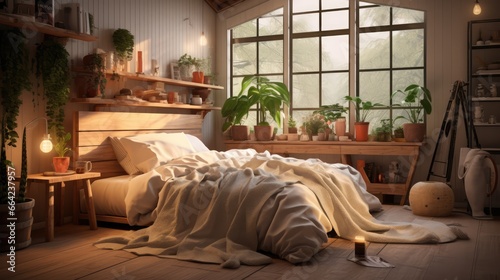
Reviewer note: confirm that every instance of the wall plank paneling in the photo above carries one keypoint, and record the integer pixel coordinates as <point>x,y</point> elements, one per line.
<point>163,30</point>
<point>160,33</point>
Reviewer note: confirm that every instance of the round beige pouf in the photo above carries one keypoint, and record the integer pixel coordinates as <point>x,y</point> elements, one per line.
<point>431,199</point>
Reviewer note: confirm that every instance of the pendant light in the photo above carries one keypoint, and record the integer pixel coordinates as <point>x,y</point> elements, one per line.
<point>203,39</point>
<point>477,8</point>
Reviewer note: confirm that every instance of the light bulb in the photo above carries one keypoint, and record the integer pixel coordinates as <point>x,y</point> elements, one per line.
<point>477,8</point>
<point>203,39</point>
<point>46,145</point>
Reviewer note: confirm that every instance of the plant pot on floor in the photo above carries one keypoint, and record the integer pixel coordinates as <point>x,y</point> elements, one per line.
<point>263,132</point>
<point>23,223</point>
<point>361,131</point>
<point>414,132</point>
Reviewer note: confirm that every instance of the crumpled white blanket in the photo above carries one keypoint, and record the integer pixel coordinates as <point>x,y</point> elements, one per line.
<point>224,207</point>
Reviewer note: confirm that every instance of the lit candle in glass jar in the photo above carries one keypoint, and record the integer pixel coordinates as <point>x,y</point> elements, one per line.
<point>359,247</point>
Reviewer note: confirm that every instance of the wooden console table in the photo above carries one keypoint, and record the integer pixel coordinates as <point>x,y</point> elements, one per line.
<point>345,150</point>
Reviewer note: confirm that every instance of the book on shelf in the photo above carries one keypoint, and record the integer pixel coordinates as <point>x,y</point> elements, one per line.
<point>76,19</point>
<point>44,11</point>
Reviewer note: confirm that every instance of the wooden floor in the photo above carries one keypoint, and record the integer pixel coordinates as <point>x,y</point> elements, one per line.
<point>72,256</point>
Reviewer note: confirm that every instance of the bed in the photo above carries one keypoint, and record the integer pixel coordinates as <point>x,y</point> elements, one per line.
<point>224,207</point>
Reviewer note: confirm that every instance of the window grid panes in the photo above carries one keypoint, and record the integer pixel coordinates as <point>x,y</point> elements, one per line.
<point>389,49</point>
<point>257,49</point>
<point>391,56</point>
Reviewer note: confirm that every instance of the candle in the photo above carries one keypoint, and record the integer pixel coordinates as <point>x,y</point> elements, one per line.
<point>359,247</point>
<point>139,62</point>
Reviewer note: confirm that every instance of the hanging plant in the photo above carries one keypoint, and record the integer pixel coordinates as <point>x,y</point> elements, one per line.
<point>123,41</point>
<point>52,67</point>
<point>14,70</point>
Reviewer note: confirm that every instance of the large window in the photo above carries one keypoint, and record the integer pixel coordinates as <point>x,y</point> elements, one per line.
<point>387,53</point>
<point>320,55</point>
<point>391,55</point>
<point>257,49</point>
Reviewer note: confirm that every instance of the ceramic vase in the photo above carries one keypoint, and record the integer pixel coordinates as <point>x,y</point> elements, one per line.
<point>475,168</point>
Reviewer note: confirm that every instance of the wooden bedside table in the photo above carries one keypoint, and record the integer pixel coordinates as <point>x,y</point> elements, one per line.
<point>50,182</point>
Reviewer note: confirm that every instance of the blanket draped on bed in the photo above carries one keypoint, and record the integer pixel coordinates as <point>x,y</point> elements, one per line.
<point>224,207</point>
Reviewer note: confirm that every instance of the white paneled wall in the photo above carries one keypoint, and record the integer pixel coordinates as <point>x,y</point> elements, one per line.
<point>162,29</point>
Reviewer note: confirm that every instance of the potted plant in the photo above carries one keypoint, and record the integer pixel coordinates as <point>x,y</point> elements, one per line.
<point>234,110</point>
<point>61,161</point>
<point>52,67</point>
<point>314,124</point>
<point>333,116</point>
<point>399,134</point>
<point>190,68</point>
<point>417,100</point>
<point>14,69</point>
<point>292,126</point>
<point>95,64</point>
<point>384,131</point>
<point>363,108</point>
<point>269,97</point>
<point>123,42</point>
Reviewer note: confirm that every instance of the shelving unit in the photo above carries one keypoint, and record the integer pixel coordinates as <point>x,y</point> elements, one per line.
<point>484,68</point>
<point>23,23</point>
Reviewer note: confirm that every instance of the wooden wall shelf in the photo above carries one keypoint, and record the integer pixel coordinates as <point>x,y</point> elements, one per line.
<point>114,102</point>
<point>173,82</point>
<point>22,23</point>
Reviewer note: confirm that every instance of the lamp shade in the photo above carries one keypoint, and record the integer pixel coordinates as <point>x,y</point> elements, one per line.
<point>46,145</point>
<point>477,8</point>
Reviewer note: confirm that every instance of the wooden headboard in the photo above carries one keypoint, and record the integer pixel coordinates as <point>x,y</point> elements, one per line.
<point>91,130</point>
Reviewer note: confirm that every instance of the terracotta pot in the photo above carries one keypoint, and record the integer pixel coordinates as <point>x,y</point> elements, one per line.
<point>263,132</point>
<point>292,130</point>
<point>24,221</point>
<point>198,77</point>
<point>61,164</point>
<point>340,126</point>
<point>361,131</point>
<point>414,132</point>
<point>239,132</point>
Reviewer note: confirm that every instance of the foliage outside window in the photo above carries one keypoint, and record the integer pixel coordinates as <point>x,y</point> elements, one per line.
<point>389,53</point>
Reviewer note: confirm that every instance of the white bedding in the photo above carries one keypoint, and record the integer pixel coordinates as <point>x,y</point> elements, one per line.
<point>223,207</point>
<point>109,195</point>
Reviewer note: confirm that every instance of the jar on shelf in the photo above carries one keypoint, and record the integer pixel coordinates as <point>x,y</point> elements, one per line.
<point>480,90</point>
<point>493,90</point>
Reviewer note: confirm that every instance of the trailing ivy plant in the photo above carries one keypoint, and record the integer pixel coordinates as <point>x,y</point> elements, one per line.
<point>52,67</point>
<point>14,73</point>
<point>123,41</point>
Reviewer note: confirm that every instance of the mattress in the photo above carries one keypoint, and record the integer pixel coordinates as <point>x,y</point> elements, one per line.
<point>109,195</point>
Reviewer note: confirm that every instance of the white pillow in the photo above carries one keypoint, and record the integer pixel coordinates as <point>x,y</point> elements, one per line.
<point>197,144</point>
<point>122,156</point>
<point>151,150</point>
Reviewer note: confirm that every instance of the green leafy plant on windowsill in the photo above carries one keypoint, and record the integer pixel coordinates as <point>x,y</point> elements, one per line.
<point>363,108</point>
<point>417,100</point>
